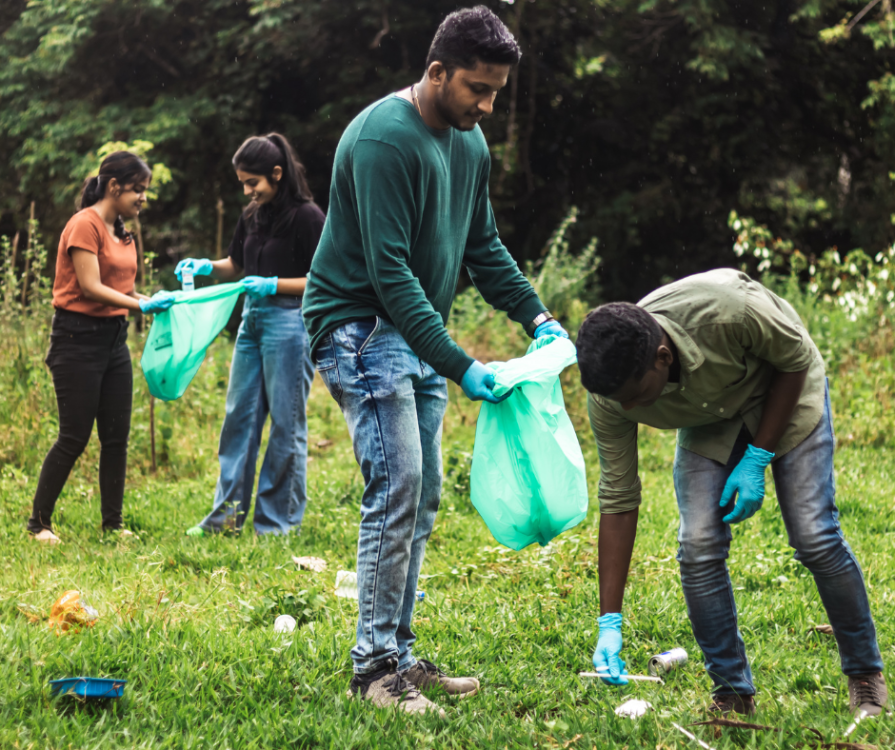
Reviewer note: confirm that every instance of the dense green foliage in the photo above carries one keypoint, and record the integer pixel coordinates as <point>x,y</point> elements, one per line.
<point>654,117</point>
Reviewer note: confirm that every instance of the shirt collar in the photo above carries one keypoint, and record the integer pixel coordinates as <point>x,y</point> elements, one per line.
<point>690,354</point>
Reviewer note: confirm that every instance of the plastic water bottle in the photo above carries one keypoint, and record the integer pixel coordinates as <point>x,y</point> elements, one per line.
<point>187,283</point>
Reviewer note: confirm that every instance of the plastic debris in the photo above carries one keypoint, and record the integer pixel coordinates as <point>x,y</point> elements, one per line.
<point>71,612</point>
<point>89,687</point>
<point>692,736</point>
<point>634,708</point>
<point>317,564</point>
<point>824,628</point>
<point>631,677</point>
<point>346,584</point>
<point>284,624</point>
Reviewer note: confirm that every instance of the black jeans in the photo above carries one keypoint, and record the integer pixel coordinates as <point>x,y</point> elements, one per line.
<point>94,380</point>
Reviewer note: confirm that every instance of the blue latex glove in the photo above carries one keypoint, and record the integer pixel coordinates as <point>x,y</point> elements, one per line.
<point>260,286</point>
<point>609,647</point>
<point>157,302</point>
<point>199,267</point>
<point>478,382</point>
<point>747,479</point>
<point>550,328</point>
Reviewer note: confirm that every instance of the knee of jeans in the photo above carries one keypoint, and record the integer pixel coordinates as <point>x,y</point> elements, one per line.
<point>702,547</point>
<point>822,550</point>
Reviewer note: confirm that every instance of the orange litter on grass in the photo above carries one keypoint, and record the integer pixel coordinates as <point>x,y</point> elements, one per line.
<point>71,612</point>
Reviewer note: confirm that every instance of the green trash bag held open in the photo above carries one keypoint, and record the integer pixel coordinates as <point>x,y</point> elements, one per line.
<point>528,480</point>
<point>180,336</point>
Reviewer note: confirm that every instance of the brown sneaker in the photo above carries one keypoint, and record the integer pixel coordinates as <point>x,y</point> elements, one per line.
<point>867,693</point>
<point>387,687</point>
<point>731,703</point>
<point>425,674</point>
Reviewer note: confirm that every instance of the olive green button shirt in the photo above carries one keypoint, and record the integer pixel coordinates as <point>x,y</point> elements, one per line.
<point>731,335</point>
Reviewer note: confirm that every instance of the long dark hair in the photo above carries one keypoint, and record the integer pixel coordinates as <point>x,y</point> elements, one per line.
<point>128,169</point>
<point>259,155</point>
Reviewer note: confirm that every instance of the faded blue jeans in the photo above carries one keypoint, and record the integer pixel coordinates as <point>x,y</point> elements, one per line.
<point>271,373</point>
<point>806,493</point>
<point>394,404</point>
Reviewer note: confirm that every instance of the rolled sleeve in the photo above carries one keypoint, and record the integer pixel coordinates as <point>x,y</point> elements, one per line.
<point>773,333</point>
<point>620,487</point>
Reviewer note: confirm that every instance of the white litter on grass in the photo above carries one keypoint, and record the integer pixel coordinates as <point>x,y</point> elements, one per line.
<point>284,624</point>
<point>317,564</point>
<point>693,737</point>
<point>346,584</point>
<point>631,677</point>
<point>634,708</point>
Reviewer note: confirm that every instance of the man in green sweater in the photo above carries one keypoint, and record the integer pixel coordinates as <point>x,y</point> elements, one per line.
<point>408,207</point>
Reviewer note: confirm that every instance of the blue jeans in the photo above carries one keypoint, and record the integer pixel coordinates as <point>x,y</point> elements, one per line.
<point>807,496</point>
<point>393,403</point>
<point>271,374</point>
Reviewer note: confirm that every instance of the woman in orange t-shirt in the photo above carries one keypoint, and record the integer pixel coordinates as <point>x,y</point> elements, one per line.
<point>96,268</point>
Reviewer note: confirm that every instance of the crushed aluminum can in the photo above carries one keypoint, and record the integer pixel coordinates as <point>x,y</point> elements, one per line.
<point>667,661</point>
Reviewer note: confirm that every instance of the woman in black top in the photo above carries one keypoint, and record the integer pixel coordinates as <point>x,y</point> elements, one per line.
<point>271,372</point>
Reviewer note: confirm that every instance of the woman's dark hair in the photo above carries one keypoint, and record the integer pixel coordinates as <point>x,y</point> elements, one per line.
<point>468,36</point>
<point>616,342</point>
<point>128,169</point>
<point>259,155</point>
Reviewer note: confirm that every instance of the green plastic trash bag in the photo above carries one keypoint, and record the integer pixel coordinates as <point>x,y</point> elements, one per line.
<point>528,480</point>
<point>180,336</point>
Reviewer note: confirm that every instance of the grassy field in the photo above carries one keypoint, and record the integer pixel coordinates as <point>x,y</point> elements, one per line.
<point>189,622</point>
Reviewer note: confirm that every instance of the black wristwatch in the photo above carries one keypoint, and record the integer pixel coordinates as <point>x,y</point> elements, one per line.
<point>542,318</point>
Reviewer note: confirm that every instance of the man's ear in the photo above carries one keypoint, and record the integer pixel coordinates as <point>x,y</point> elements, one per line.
<point>437,74</point>
<point>664,356</point>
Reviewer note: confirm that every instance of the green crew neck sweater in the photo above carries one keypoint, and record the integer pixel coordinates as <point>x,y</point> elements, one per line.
<point>408,206</point>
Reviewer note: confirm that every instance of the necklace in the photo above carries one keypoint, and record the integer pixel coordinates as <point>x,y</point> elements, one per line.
<point>415,99</point>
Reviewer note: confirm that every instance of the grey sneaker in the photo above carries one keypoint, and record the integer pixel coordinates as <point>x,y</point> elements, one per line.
<point>387,688</point>
<point>425,674</point>
<point>867,693</point>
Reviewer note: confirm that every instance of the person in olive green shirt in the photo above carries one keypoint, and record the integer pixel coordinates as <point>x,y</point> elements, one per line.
<point>729,365</point>
<point>408,207</point>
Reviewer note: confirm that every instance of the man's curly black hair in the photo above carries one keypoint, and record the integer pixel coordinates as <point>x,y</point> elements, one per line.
<point>616,342</point>
<point>468,36</point>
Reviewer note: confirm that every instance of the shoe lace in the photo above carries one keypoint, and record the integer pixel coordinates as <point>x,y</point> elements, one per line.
<point>430,668</point>
<point>398,686</point>
<point>867,691</point>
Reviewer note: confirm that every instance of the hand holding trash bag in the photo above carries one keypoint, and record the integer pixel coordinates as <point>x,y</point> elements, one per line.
<point>195,266</point>
<point>550,328</point>
<point>747,480</point>
<point>609,646</point>
<point>478,384</point>
<point>260,286</point>
<point>157,302</point>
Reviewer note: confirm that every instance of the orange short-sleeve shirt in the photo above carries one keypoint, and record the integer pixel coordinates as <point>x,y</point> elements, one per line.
<point>117,264</point>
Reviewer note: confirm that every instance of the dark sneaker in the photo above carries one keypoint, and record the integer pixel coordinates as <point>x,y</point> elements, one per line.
<point>731,703</point>
<point>425,674</point>
<point>867,693</point>
<point>387,688</point>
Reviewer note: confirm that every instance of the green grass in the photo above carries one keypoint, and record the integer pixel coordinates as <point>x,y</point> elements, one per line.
<point>189,622</point>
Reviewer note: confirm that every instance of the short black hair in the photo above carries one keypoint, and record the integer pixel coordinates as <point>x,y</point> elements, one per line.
<point>468,36</point>
<point>616,342</point>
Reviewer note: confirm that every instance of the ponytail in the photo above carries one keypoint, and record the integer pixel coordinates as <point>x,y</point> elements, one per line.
<point>127,169</point>
<point>260,155</point>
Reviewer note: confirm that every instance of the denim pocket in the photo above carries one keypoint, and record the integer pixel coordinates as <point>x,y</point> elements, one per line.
<point>325,354</point>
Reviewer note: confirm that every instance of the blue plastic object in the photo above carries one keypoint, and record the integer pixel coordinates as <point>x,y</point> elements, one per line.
<point>89,687</point>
